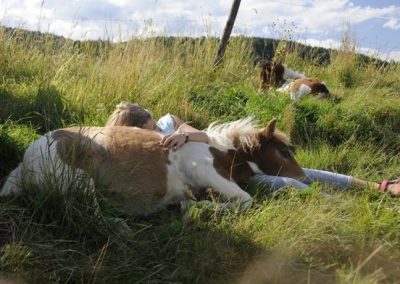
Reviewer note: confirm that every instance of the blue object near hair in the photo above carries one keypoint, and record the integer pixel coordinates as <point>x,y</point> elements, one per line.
<point>166,124</point>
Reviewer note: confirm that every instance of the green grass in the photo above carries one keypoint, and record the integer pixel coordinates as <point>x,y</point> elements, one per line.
<point>290,236</point>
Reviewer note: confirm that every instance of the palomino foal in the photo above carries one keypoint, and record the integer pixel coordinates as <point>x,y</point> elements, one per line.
<point>143,177</point>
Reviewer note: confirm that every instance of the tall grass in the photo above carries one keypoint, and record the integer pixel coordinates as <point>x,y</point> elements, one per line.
<point>286,237</point>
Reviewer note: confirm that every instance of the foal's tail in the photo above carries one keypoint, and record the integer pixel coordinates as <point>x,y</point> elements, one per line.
<point>13,182</point>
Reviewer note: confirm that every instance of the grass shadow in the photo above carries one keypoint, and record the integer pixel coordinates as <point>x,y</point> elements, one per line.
<point>45,110</point>
<point>47,236</point>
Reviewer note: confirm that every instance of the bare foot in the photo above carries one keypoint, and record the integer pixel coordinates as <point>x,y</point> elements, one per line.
<point>392,187</point>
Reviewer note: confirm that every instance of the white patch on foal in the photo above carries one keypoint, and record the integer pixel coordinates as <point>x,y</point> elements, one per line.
<point>286,87</point>
<point>41,164</point>
<point>303,90</point>
<point>292,74</point>
<point>192,165</point>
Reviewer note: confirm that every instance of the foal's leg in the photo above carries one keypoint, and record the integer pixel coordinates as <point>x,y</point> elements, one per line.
<point>229,189</point>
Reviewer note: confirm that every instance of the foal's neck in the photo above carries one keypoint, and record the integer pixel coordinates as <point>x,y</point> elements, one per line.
<point>233,164</point>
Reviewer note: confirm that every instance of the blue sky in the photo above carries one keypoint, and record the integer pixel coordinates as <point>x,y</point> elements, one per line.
<point>375,25</point>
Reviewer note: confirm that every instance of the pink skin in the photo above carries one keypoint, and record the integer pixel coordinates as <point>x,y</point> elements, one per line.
<point>174,140</point>
<point>151,125</point>
<point>391,188</point>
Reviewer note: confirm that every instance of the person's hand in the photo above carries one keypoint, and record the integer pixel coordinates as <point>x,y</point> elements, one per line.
<point>173,141</point>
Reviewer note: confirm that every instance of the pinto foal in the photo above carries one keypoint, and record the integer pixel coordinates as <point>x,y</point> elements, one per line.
<point>304,86</point>
<point>143,177</point>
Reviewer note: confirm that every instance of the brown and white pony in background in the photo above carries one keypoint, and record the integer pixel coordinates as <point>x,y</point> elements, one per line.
<point>145,177</point>
<point>304,86</point>
<point>276,74</point>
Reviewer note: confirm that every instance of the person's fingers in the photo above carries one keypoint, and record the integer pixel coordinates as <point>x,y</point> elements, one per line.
<point>178,143</point>
<point>173,141</point>
<point>168,142</point>
<point>164,138</point>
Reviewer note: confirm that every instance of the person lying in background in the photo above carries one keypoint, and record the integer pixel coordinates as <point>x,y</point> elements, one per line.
<point>176,133</point>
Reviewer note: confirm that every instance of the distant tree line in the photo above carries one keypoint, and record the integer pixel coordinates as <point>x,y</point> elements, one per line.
<point>262,47</point>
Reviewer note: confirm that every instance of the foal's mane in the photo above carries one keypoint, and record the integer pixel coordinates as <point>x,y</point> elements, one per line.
<point>240,133</point>
<point>224,136</point>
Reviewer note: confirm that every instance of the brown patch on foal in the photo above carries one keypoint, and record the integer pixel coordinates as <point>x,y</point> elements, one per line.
<point>232,165</point>
<point>271,73</point>
<point>136,155</point>
<point>122,160</point>
<point>316,85</point>
<point>76,147</point>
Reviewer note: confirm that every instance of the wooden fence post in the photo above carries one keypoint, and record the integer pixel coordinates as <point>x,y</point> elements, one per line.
<point>227,32</point>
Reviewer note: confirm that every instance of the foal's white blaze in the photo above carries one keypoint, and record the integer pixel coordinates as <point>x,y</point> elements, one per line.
<point>255,168</point>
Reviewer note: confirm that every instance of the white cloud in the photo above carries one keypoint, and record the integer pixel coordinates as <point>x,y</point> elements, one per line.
<point>314,17</point>
<point>121,19</point>
<point>394,55</point>
<point>311,17</point>
<point>326,43</point>
<point>335,44</point>
<point>393,24</point>
<point>91,19</point>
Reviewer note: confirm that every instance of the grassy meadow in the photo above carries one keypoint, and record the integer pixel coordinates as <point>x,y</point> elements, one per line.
<point>289,236</point>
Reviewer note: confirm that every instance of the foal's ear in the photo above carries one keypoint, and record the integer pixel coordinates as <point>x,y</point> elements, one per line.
<point>269,129</point>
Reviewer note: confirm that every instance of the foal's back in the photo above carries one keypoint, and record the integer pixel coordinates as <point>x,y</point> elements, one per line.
<point>128,161</point>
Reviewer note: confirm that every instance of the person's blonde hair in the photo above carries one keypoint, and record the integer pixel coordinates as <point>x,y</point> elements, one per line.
<point>128,114</point>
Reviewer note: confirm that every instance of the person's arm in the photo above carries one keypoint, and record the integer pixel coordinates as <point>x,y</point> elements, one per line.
<point>182,126</point>
<point>187,128</point>
<point>183,134</point>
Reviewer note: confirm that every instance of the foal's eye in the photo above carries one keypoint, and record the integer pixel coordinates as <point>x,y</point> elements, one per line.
<point>286,153</point>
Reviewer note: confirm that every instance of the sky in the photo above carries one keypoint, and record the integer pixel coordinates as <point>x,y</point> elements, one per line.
<point>374,25</point>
